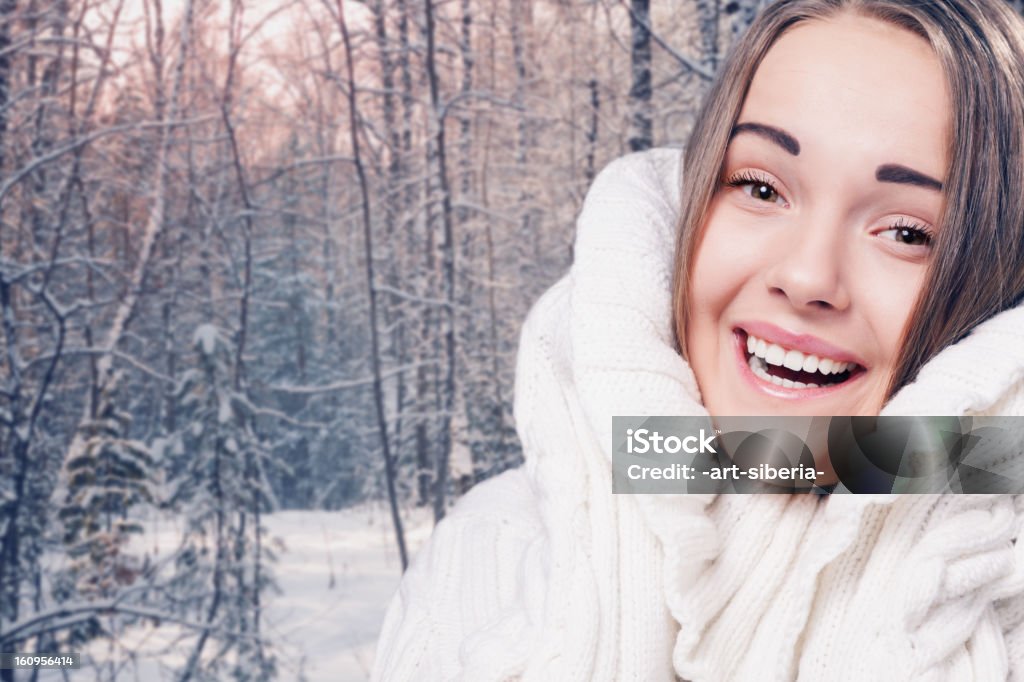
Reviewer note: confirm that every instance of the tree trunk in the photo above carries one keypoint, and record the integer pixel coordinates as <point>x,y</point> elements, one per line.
<point>641,130</point>
<point>8,8</point>
<point>707,24</point>
<point>375,358</point>
<point>154,225</point>
<point>448,268</point>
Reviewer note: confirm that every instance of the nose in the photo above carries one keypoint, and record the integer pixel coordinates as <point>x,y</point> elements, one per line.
<point>809,266</point>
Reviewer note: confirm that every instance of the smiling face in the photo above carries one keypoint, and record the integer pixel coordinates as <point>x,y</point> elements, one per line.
<point>816,244</point>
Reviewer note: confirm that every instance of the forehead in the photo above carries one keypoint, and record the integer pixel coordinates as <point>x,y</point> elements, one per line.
<point>858,87</point>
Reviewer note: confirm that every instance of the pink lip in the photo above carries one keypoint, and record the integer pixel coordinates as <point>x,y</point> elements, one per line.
<point>805,343</point>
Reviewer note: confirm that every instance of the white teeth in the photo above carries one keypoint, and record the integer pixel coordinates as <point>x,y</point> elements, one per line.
<point>757,366</point>
<point>774,354</point>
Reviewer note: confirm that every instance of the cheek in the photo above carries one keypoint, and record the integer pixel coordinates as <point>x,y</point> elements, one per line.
<point>726,261</point>
<point>888,296</point>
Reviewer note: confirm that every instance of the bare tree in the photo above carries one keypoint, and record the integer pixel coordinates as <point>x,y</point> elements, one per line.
<point>438,156</point>
<point>642,133</point>
<point>378,389</point>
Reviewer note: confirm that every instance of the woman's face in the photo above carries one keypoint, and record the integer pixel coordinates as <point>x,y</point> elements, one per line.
<point>817,241</point>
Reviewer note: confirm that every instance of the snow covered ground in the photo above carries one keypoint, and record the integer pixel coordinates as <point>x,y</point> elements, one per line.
<point>337,572</point>
<point>337,577</point>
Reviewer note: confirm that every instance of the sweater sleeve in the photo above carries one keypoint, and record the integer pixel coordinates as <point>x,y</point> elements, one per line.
<point>460,583</point>
<point>1010,610</point>
<point>1011,615</point>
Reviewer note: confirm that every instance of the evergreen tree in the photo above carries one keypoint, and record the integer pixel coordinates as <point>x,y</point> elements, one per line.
<point>219,491</point>
<point>106,481</point>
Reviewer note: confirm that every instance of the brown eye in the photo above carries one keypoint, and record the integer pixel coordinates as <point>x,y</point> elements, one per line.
<point>756,187</point>
<point>764,192</point>
<point>908,234</point>
<point>911,236</point>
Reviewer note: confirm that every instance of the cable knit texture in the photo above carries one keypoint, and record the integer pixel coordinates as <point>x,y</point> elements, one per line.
<point>543,574</point>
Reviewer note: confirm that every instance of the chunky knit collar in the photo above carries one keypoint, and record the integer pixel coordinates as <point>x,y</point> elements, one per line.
<point>621,360</point>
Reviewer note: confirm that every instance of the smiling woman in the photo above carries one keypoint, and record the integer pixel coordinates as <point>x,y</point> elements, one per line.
<point>816,246</point>
<point>846,236</point>
<point>864,189</point>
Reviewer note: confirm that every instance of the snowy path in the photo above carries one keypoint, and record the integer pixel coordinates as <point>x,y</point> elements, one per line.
<point>336,572</point>
<point>335,628</point>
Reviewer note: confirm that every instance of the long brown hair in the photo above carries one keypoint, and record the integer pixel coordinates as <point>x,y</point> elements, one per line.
<point>977,268</point>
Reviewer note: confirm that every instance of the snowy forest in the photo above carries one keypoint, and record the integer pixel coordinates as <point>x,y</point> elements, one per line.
<point>262,257</point>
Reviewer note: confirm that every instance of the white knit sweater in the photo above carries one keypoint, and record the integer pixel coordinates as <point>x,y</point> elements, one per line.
<point>543,574</point>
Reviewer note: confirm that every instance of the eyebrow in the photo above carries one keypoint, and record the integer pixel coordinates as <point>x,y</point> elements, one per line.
<point>892,172</point>
<point>887,172</point>
<point>770,133</point>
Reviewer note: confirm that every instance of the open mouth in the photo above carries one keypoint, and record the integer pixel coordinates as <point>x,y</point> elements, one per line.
<point>791,368</point>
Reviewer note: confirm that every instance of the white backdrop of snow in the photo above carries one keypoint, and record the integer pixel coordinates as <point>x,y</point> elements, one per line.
<point>337,572</point>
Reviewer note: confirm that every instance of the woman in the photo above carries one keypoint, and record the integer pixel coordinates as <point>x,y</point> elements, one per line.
<point>853,154</point>
<point>858,206</point>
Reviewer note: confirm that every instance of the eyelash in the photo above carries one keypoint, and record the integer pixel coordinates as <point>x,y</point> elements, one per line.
<point>919,230</point>
<point>750,178</point>
<point>744,178</point>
